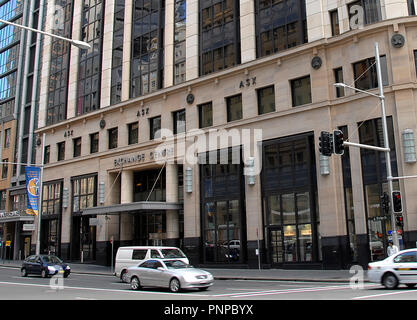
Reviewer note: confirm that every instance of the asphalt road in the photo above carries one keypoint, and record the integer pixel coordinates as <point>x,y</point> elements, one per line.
<point>100,287</point>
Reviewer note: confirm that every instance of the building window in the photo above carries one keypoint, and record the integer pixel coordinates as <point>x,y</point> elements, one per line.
<point>84,192</point>
<point>179,121</point>
<point>89,71</point>
<point>219,35</point>
<point>4,169</point>
<point>47,155</point>
<point>147,47</point>
<point>61,151</point>
<point>59,67</point>
<point>51,198</point>
<point>338,78</point>
<point>117,60</point>
<point>113,135</point>
<point>280,25</point>
<point>94,142</point>
<point>411,7</point>
<point>205,115</point>
<point>301,91</point>
<point>133,129</point>
<point>155,128</point>
<point>365,73</point>
<point>3,198</point>
<point>179,41</point>
<point>145,181</point>
<point>266,100</point>
<point>7,138</point>
<point>77,147</point>
<point>371,12</point>
<point>334,21</point>
<point>234,108</point>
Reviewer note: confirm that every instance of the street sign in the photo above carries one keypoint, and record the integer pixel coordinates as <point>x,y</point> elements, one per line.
<point>94,222</point>
<point>380,218</point>
<point>29,227</point>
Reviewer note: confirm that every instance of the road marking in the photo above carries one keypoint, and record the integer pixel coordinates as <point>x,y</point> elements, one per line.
<point>101,289</point>
<point>384,294</point>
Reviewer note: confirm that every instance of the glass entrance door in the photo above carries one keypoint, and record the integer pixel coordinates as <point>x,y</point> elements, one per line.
<point>275,245</point>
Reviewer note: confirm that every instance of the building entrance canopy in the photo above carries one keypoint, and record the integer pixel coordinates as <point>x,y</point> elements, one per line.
<point>133,207</point>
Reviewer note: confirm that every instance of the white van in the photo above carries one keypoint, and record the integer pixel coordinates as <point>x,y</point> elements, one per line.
<point>132,256</point>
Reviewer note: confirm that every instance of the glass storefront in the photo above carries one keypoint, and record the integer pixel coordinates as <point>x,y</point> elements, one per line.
<point>289,188</point>
<point>222,208</point>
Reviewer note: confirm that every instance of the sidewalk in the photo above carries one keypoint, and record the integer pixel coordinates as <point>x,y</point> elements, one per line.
<point>227,274</point>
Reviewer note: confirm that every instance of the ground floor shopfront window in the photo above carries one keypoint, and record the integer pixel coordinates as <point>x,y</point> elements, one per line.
<point>289,202</point>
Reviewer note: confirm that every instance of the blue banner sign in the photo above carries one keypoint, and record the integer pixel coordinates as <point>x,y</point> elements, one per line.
<point>32,189</point>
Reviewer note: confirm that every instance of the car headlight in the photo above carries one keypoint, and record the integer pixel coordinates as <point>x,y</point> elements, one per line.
<point>50,268</point>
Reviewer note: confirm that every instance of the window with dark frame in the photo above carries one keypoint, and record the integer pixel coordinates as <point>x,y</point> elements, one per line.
<point>3,198</point>
<point>280,25</point>
<point>47,155</point>
<point>89,71</point>
<point>179,41</point>
<point>301,91</point>
<point>52,198</point>
<point>61,151</point>
<point>338,78</point>
<point>370,8</point>
<point>4,169</point>
<point>133,131</point>
<point>334,21</point>
<point>59,67</point>
<point>94,140</point>
<point>266,99</point>
<point>113,136</point>
<point>234,108</point>
<point>179,121</point>
<point>219,35</point>
<point>205,115</point>
<point>155,128</point>
<point>411,7</point>
<point>365,73</point>
<point>84,192</point>
<point>7,138</point>
<point>147,62</point>
<point>77,147</point>
<point>117,60</point>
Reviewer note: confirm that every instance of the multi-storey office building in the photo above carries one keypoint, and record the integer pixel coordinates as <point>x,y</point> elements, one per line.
<point>20,53</point>
<point>137,129</point>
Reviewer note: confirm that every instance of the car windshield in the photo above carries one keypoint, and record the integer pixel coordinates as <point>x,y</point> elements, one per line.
<point>51,259</point>
<point>176,264</point>
<point>172,253</point>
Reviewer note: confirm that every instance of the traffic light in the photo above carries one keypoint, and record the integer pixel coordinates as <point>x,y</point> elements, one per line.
<point>396,202</point>
<point>399,221</point>
<point>385,202</point>
<point>326,143</point>
<point>338,147</point>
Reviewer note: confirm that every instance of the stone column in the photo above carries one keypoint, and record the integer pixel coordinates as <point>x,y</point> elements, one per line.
<point>169,44</point>
<point>126,196</point>
<point>247,30</point>
<point>192,58</point>
<point>172,227</point>
<point>127,47</point>
<point>315,20</point>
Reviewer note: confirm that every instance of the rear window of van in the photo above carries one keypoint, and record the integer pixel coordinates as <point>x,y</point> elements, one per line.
<point>139,254</point>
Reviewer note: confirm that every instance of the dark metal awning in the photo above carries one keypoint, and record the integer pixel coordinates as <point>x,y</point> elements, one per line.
<point>131,207</point>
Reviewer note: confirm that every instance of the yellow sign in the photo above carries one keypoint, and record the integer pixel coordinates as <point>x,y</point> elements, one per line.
<point>8,243</point>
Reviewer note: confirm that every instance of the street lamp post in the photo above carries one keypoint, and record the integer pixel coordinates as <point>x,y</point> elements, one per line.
<point>386,148</point>
<point>77,43</point>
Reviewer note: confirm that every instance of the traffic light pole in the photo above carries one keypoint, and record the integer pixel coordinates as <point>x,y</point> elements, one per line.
<point>386,145</point>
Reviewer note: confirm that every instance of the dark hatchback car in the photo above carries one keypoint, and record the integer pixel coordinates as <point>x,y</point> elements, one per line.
<point>45,265</point>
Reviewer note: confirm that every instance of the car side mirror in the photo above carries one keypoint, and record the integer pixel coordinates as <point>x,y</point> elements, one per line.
<point>161,269</point>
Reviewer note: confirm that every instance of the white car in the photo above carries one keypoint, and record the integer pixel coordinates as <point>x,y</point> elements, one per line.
<point>400,268</point>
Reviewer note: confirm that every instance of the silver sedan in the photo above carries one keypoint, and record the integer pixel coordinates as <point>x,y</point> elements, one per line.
<point>168,273</point>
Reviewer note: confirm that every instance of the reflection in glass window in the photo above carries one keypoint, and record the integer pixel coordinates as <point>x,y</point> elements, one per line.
<point>84,192</point>
<point>234,108</point>
<point>205,115</point>
<point>117,60</point>
<point>266,100</point>
<point>301,91</point>
<point>179,41</point>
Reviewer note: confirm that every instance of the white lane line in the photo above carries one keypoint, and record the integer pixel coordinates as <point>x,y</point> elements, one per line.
<point>102,289</point>
<point>383,294</point>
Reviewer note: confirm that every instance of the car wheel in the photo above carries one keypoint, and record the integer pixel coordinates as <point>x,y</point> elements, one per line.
<point>123,276</point>
<point>135,283</point>
<point>44,274</point>
<point>390,281</point>
<point>23,272</point>
<point>174,285</point>
<point>411,285</point>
